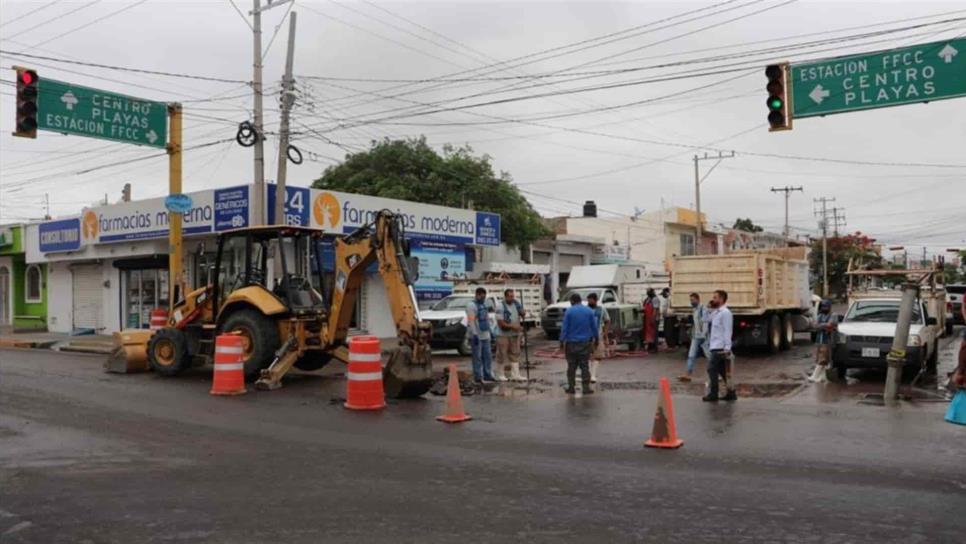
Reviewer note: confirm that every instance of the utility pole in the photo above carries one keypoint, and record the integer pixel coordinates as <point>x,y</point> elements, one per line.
<point>288,97</point>
<point>697,191</point>
<point>258,199</point>
<point>824,224</point>
<point>897,355</point>
<point>46,205</point>
<point>837,219</point>
<point>788,191</point>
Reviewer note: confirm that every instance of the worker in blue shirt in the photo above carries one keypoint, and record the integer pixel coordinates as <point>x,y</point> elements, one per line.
<point>578,336</point>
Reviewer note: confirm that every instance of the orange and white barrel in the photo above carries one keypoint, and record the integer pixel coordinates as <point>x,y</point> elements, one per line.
<point>159,318</point>
<point>364,390</point>
<point>229,375</point>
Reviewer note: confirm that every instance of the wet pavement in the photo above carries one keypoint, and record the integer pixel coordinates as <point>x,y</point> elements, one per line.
<point>94,457</point>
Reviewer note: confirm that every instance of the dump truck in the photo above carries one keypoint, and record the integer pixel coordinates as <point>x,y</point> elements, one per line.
<point>768,292</point>
<point>266,286</point>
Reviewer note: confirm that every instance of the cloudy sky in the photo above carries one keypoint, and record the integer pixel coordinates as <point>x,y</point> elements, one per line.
<point>575,100</point>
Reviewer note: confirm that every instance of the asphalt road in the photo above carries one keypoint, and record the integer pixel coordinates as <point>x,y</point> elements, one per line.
<point>89,457</point>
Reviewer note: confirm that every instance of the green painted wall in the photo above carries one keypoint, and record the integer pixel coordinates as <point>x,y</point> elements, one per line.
<point>26,315</point>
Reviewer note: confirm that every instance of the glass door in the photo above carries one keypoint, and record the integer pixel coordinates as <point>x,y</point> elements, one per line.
<point>132,303</point>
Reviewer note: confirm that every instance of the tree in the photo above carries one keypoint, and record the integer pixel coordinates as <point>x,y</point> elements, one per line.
<point>857,247</point>
<point>746,225</point>
<point>412,170</point>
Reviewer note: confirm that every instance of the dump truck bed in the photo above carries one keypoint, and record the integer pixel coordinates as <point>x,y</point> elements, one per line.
<point>756,282</point>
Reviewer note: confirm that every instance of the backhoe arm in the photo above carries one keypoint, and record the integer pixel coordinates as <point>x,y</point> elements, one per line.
<point>409,370</point>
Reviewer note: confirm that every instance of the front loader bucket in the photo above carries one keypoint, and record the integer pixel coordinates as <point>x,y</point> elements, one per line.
<point>130,352</point>
<point>405,376</point>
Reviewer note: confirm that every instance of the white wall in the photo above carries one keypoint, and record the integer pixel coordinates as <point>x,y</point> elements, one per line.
<point>377,319</point>
<point>59,294</point>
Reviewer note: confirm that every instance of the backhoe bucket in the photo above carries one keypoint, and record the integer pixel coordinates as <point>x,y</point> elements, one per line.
<point>130,352</point>
<point>406,376</point>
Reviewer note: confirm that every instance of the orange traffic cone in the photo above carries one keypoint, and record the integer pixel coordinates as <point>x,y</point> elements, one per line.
<point>229,375</point>
<point>665,433</point>
<point>454,402</point>
<point>363,388</point>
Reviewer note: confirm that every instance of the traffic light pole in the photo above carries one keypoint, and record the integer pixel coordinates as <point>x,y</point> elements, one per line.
<point>175,258</point>
<point>258,199</point>
<point>288,97</point>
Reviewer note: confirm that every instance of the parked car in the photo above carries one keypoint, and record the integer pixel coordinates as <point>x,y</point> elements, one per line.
<point>448,318</point>
<point>954,299</point>
<point>866,333</point>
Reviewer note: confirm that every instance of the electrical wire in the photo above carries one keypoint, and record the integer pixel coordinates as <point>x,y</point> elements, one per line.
<point>52,19</point>
<point>85,25</point>
<point>242,15</point>
<point>27,14</point>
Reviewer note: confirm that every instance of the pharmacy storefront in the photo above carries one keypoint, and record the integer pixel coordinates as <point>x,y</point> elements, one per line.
<point>107,267</point>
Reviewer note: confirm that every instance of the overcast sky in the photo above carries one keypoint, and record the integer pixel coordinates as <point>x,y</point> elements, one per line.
<point>626,145</point>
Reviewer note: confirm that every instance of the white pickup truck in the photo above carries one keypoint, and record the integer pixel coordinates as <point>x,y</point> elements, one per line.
<point>866,332</point>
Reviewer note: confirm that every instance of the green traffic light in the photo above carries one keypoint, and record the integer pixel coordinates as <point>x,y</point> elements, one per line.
<point>775,103</point>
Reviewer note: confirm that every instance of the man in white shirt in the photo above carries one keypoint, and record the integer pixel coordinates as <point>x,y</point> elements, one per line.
<point>719,343</point>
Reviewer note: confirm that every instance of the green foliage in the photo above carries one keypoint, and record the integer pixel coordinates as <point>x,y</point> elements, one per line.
<point>412,170</point>
<point>858,247</point>
<point>746,225</point>
<point>951,274</point>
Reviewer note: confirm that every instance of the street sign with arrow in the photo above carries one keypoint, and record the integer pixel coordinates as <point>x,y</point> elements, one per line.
<point>921,73</point>
<point>75,109</point>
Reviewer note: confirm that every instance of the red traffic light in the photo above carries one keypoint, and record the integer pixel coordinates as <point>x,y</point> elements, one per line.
<point>27,77</point>
<point>26,119</point>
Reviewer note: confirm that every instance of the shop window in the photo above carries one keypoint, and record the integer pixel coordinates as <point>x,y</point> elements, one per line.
<point>34,284</point>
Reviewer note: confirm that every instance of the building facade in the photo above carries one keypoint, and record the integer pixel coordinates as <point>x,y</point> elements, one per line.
<point>23,286</point>
<point>107,268</point>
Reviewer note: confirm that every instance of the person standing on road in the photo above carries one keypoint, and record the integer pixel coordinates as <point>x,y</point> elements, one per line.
<point>825,326</point>
<point>668,321</point>
<point>699,335</point>
<point>652,314</point>
<point>509,326</point>
<point>719,342</point>
<point>578,338</point>
<point>602,319</point>
<point>478,327</point>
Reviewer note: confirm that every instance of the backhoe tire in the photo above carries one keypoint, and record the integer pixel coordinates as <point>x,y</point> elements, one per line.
<point>168,352</point>
<point>313,360</point>
<point>261,334</point>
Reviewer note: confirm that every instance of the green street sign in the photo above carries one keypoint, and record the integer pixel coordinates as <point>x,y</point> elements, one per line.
<point>921,73</point>
<point>75,109</point>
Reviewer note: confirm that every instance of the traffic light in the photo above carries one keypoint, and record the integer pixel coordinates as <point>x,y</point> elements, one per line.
<point>779,110</point>
<point>27,95</point>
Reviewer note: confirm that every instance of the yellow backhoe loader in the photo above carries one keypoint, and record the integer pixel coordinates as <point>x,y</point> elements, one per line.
<point>267,285</point>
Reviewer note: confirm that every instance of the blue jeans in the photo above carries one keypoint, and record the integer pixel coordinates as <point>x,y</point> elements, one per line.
<point>482,360</point>
<point>696,344</point>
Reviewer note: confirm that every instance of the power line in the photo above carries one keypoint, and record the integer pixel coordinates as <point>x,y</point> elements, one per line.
<point>124,68</point>
<point>52,19</point>
<point>242,15</point>
<point>85,25</point>
<point>27,14</point>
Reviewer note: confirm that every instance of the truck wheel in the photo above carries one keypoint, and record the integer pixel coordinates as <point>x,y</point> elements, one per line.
<point>168,352</point>
<point>465,348</point>
<point>840,370</point>
<point>949,327</point>
<point>788,332</point>
<point>261,339</point>
<point>313,360</point>
<point>774,334</point>
<point>551,335</point>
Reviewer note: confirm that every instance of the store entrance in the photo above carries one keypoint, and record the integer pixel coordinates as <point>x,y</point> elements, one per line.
<point>144,287</point>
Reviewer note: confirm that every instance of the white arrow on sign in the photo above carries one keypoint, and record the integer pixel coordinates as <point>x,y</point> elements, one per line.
<point>818,94</point>
<point>69,100</point>
<point>152,136</point>
<point>947,53</point>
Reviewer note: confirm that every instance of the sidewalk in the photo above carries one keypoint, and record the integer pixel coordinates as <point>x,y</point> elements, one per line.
<point>90,343</point>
